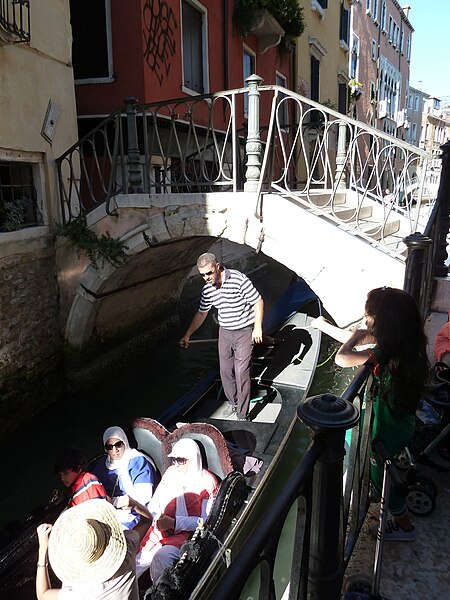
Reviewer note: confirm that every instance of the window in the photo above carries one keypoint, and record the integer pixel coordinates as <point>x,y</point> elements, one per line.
<point>194,47</point>
<point>410,101</point>
<point>408,47</point>
<point>315,88</point>
<point>342,98</point>
<point>374,50</point>
<point>414,133</point>
<point>383,16</point>
<point>344,25</point>
<point>416,103</point>
<point>373,92</point>
<point>18,201</point>
<point>391,27</point>
<point>354,58</point>
<point>249,68</point>
<point>368,5</point>
<point>283,110</point>
<point>402,39</point>
<point>375,10</point>
<point>91,45</point>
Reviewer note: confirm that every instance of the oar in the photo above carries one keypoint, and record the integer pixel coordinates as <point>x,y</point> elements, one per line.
<point>266,341</point>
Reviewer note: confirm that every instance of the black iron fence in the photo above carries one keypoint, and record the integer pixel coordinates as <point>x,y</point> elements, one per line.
<point>15,20</point>
<point>427,251</point>
<point>328,513</point>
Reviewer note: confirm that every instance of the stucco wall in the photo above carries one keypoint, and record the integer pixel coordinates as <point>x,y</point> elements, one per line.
<point>30,76</point>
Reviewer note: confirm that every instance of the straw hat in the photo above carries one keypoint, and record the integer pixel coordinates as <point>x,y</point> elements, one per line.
<point>87,543</point>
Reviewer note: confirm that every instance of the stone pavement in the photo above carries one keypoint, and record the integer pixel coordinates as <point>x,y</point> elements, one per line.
<point>412,570</point>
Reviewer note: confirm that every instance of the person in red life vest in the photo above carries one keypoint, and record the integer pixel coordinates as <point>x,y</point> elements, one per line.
<point>185,494</point>
<point>71,467</point>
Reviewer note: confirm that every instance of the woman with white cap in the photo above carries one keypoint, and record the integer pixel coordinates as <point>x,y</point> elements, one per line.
<point>124,471</point>
<point>185,494</point>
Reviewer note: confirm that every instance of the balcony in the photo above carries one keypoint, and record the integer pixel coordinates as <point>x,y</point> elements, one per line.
<point>14,21</point>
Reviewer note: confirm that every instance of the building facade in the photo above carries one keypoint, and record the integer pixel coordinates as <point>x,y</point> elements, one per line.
<point>322,53</point>
<point>379,58</point>
<point>37,123</point>
<point>415,107</point>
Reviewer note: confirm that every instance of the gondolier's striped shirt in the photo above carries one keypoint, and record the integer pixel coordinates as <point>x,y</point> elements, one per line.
<point>234,300</point>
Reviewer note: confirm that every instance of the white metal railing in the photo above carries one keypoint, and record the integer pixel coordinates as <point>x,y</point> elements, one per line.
<point>379,186</point>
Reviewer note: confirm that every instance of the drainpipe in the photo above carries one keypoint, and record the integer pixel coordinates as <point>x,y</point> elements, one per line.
<point>328,416</point>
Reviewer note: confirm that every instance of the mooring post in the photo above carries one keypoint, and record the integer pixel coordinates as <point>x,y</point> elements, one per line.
<point>253,144</point>
<point>134,163</point>
<point>328,416</point>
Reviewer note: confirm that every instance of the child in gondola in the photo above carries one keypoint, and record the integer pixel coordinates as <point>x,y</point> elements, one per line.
<point>71,467</point>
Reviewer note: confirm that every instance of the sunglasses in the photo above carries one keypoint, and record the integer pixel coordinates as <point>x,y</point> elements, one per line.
<point>207,274</point>
<point>117,445</point>
<point>178,461</point>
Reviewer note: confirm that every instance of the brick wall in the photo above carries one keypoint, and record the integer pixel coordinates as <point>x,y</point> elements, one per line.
<point>30,344</point>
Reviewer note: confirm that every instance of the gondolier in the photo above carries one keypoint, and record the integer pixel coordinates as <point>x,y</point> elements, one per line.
<point>240,313</point>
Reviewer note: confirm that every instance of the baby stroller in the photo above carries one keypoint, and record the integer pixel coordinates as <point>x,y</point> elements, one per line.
<point>430,443</point>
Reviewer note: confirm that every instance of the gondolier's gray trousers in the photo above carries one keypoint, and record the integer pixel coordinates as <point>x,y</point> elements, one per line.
<point>235,358</point>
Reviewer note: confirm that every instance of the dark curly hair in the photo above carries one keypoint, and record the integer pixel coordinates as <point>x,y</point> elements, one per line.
<point>398,330</point>
<point>70,458</point>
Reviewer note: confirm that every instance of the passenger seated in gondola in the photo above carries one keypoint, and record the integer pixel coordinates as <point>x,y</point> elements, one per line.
<point>185,494</point>
<point>71,467</point>
<point>125,472</point>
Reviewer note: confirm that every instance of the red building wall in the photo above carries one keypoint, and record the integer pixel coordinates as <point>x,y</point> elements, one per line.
<point>147,55</point>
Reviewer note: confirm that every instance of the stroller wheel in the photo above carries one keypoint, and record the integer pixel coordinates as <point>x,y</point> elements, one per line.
<point>428,484</point>
<point>419,500</point>
<point>402,460</point>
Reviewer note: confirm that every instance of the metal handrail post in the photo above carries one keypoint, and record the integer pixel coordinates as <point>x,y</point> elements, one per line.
<point>134,170</point>
<point>417,244</point>
<point>328,416</point>
<point>443,198</point>
<point>253,144</point>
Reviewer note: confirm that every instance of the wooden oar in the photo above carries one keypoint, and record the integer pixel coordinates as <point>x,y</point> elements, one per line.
<point>267,340</point>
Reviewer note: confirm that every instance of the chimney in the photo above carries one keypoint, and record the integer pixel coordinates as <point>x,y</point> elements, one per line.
<point>406,10</point>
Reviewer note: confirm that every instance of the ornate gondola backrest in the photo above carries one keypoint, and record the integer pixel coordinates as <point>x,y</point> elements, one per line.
<point>154,439</point>
<point>212,444</point>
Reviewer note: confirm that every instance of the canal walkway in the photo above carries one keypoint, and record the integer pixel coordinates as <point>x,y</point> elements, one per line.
<point>411,570</point>
<point>419,569</point>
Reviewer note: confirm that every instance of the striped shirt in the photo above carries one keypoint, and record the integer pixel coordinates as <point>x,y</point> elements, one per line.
<point>234,300</point>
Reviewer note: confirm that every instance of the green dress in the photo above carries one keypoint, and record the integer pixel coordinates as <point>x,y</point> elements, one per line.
<point>393,425</point>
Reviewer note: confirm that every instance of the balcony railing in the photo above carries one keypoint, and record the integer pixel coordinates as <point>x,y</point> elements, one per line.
<point>14,21</point>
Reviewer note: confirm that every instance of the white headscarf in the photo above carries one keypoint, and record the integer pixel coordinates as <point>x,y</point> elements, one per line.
<point>188,448</point>
<point>119,433</point>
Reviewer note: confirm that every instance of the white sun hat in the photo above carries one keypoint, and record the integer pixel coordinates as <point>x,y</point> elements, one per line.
<point>87,543</point>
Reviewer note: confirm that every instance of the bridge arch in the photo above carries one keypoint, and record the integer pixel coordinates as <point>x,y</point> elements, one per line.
<point>164,234</point>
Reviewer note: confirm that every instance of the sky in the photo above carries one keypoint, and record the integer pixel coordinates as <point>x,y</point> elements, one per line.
<point>429,70</point>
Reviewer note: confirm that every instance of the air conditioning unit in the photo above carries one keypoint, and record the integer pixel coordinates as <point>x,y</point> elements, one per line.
<point>400,118</point>
<point>382,109</point>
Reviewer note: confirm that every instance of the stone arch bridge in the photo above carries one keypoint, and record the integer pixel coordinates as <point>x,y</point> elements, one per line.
<point>106,307</point>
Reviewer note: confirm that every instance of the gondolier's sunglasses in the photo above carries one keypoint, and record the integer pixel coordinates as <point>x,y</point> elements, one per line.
<point>178,460</point>
<point>117,445</point>
<point>207,274</point>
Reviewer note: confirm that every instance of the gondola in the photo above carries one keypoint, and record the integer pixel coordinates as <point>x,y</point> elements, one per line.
<point>243,454</point>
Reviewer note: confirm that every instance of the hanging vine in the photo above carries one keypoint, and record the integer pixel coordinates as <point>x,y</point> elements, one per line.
<point>99,250</point>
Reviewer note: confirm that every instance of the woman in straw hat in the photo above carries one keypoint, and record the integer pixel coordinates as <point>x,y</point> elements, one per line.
<point>124,471</point>
<point>90,553</point>
<point>185,494</point>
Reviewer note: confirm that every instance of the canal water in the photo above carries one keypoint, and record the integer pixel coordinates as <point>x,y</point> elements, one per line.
<point>145,387</point>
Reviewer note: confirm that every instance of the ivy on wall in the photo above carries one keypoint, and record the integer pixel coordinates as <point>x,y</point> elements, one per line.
<point>99,250</point>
